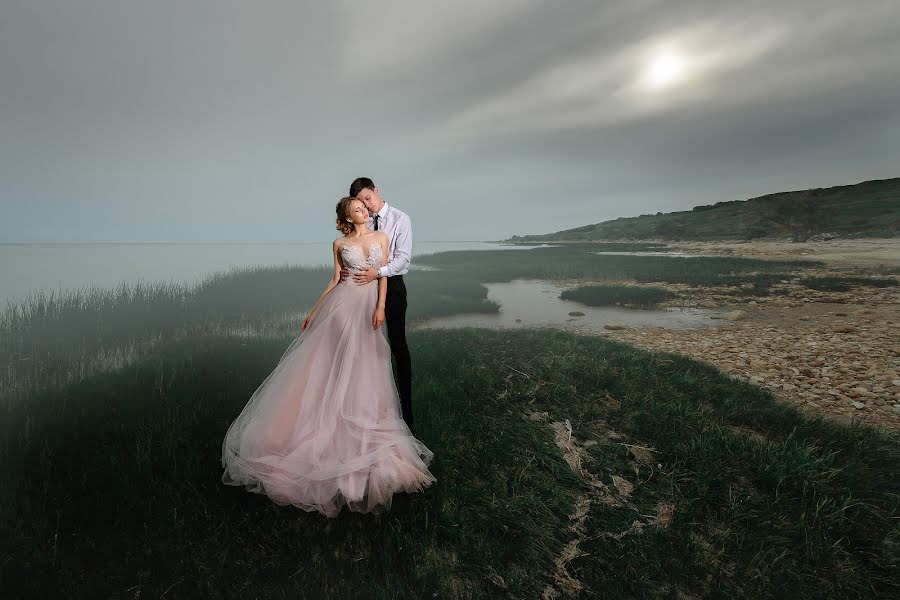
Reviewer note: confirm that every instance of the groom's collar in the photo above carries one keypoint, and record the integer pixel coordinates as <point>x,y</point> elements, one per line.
<point>383,210</point>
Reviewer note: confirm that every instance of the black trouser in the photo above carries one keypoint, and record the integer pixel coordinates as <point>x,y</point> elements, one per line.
<point>395,319</point>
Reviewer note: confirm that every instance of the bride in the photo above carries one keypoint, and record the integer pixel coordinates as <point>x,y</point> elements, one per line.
<point>324,429</point>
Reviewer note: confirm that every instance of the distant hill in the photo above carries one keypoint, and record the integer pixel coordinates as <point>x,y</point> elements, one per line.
<point>867,209</point>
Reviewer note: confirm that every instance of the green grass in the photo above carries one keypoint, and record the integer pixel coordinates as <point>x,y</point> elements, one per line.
<point>440,293</point>
<point>111,486</point>
<point>49,338</point>
<point>103,496</point>
<point>52,338</point>
<point>625,295</point>
<point>843,284</point>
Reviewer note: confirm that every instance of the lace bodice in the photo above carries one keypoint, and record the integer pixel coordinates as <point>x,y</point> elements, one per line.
<point>355,260</point>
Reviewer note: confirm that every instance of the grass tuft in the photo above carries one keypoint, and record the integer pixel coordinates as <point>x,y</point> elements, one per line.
<point>625,295</point>
<point>844,284</point>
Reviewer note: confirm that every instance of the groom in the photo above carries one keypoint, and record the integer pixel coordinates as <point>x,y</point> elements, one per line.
<point>396,225</point>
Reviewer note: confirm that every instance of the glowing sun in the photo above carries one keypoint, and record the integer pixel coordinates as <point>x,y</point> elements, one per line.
<point>665,70</point>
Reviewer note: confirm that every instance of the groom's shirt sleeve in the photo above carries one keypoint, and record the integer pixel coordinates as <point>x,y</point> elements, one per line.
<point>399,262</point>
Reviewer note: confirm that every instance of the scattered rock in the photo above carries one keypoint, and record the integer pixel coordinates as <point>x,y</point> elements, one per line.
<point>735,315</point>
<point>664,514</point>
<point>614,403</point>
<point>498,581</point>
<point>858,405</point>
<point>576,313</point>
<point>613,327</point>
<point>623,486</point>
<point>808,365</point>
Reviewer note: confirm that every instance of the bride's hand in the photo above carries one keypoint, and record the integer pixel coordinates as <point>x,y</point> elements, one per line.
<point>378,317</point>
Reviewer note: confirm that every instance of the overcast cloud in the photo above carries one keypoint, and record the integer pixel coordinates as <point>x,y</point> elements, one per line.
<point>246,121</point>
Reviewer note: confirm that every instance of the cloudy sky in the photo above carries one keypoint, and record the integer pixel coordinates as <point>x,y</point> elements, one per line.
<point>180,120</point>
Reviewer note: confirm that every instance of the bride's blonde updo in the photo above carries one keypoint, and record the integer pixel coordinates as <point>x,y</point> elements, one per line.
<point>343,213</point>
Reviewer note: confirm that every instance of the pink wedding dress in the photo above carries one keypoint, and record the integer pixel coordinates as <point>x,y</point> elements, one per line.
<point>324,429</point>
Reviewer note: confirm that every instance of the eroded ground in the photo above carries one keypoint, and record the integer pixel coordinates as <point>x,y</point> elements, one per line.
<point>835,353</point>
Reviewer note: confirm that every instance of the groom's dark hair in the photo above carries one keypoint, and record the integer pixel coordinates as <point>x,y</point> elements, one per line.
<point>359,184</point>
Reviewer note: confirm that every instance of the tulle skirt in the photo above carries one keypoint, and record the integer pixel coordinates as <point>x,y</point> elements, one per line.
<point>324,429</point>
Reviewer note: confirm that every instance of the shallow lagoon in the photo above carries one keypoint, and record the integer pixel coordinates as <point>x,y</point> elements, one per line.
<point>535,303</point>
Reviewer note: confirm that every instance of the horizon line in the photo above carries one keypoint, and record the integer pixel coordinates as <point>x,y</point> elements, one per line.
<point>230,243</point>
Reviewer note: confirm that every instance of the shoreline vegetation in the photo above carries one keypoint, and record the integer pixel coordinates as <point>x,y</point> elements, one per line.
<point>51,338</point>
<point>617,295</point>
<point>565,463</point>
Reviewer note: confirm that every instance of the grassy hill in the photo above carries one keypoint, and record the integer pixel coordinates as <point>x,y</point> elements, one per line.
<point>867,209</point>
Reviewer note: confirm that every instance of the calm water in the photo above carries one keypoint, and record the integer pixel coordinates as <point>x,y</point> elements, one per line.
<point>25,268</point>
<point>636,253</point>
<point>533,303</point>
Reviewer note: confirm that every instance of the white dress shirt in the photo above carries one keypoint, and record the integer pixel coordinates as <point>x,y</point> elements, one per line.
<point>398,228</point>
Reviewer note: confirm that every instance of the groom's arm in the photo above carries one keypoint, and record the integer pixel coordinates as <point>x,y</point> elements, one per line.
<point>403,252</point>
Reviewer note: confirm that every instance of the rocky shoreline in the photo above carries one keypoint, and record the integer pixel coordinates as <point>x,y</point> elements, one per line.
<point>829,353</point>
<point>848,370</point>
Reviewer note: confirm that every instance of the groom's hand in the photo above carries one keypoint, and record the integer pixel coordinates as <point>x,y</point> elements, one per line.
<point>364,277</point>
<point>344,273</point>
